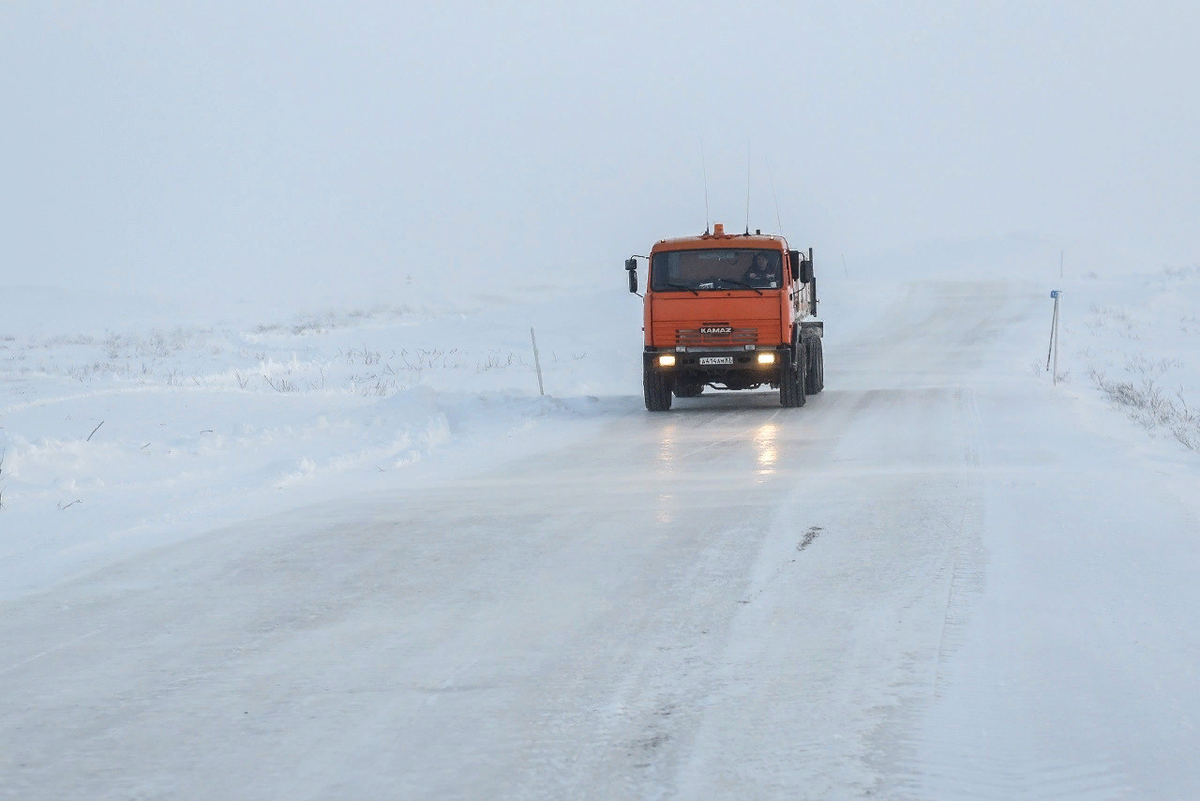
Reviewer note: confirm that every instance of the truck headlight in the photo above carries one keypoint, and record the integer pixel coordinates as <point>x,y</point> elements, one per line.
<point>766,358</point>
<point>666,360</point>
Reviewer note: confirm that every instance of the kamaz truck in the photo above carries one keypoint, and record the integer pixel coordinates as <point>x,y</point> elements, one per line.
<point>729,311</point>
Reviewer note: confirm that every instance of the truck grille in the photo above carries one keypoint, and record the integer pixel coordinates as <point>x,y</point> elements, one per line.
<point>703,337</point>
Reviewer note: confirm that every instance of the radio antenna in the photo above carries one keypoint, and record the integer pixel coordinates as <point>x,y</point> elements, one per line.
<point>704,172</point>
<point>747,186</point>
<point>771,178</point>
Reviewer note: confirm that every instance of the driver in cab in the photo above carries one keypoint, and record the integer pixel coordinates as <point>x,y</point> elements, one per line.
<point>760,273</point>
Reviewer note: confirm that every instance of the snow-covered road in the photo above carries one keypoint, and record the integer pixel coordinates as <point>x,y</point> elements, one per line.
<point>935,580</point>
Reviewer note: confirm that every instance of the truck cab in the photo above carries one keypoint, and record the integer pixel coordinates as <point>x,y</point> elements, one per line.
<point>729,311</point>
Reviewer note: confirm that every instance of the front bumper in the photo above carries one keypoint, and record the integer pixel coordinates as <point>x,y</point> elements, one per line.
<point>717,361</point>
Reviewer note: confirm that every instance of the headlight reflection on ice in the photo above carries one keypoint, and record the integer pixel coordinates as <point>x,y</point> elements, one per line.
<point>764,441</point>
<point>666,447</point>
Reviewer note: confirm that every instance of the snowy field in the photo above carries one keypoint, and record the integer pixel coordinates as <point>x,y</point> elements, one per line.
<point>1136,339</point>
<point>355,553</point>
<point>122,427</point>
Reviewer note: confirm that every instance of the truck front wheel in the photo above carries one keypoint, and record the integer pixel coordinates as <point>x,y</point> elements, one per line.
<point>815,380</point>
<point>792,380</point>
<point>656,386</point>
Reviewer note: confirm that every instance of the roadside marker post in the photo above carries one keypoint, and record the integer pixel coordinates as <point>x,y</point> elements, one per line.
<point>1052,351</point>
<point>536,361</point>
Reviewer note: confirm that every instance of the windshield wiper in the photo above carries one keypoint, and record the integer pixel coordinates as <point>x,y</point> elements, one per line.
<point>688,288</point>
<point>739,283</point>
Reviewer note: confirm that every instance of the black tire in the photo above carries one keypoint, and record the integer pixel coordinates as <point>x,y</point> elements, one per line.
<point>815,380</point>
<point>791,381</point>
<point>656,386</point>
<point>688,389</point>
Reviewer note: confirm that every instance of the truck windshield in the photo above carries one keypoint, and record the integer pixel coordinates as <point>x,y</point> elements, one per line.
<point>701,270</point>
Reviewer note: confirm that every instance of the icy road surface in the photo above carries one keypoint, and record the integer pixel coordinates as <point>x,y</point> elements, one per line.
<point>936,580</point>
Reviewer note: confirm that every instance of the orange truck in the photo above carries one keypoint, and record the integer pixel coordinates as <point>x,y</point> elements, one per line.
<point>729,311</point>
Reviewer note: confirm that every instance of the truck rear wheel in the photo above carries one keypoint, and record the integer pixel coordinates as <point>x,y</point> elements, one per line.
<point>792,380</point>
<point>815,380</point>
<point>656,386</point>
<point>688,389</point>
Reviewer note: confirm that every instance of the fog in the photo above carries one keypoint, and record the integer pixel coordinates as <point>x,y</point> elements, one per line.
<point>304,153</point>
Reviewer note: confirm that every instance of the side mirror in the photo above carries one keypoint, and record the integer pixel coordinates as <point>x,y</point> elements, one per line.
<point>794,260</point>
<point>806,271</point>
<point>631,268</point>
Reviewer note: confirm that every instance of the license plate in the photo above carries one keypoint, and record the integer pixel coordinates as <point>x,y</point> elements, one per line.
<point>716,360</point>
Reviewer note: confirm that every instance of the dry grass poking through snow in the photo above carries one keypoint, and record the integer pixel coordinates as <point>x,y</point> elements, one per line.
<point>1149,405</point>
<point>1153,382</point>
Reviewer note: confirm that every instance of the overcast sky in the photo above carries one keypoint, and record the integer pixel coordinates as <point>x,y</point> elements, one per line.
<point>325,151</point>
